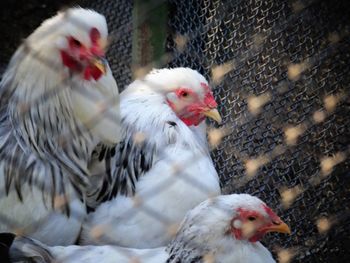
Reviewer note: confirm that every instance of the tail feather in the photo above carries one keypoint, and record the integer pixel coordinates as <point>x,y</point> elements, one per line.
<point>27,250</point>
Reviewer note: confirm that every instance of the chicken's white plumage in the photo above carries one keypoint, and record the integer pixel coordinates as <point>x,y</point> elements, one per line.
<point>161,161</point>
<point>205,232</point>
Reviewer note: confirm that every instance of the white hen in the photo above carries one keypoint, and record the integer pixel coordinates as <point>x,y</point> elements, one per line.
<point>51,120</point>
<point>225,229</point>
<point>162,167</point>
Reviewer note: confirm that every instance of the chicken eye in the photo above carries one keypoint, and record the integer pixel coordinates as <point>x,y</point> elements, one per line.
<point>252,218</point>
<point>76,43</point>
<point>184,94</point>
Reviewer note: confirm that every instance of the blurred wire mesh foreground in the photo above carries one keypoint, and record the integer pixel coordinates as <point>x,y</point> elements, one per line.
<point>280,71</point>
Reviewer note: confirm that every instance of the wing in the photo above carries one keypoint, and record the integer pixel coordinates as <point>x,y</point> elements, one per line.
<point>121,165</point>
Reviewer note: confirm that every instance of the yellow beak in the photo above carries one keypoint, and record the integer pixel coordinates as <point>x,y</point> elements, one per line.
<point>280,228</point>
<point>213,114</point>
<point>100,63</point>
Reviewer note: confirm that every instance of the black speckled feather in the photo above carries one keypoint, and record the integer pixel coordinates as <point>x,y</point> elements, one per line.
<point>124,165</point>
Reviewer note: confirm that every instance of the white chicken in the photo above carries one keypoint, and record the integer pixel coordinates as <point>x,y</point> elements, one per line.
<point>224,229</point>
<point>58,100</point>
<point>162,167</point>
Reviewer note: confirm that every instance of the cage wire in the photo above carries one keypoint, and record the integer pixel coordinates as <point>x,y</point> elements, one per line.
<point>279,71</point>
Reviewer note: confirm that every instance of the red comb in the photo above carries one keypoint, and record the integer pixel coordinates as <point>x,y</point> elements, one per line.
<point>94,35</point>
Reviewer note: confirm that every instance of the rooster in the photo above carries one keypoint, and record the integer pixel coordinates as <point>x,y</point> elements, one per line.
<point>224,229</point>
<point>162,167</point>
<point>58,101</point>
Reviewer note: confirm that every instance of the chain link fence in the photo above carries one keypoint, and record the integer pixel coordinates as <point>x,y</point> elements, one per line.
<point>279,71</point>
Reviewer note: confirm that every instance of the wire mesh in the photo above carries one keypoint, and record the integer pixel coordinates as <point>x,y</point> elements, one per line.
<point>281,63</point>
<point>280,74</point>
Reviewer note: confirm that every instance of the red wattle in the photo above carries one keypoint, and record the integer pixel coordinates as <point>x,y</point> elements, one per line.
<point>195,119</point>
<point>69,61</point>
<point>92,72</point>
<point>237,233</point>
<point>257,237</point>
<point>87,73</point>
